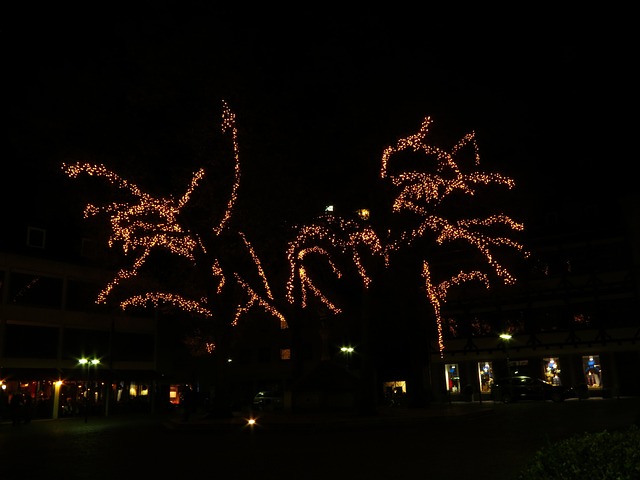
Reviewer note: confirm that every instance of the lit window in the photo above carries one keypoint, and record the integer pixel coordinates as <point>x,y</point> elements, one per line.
<point>452,378</point>
<point>592,371</point>
<point>285,354</point>
<point>363,213</point>
<point>485,374</point>
<point>552,370</point>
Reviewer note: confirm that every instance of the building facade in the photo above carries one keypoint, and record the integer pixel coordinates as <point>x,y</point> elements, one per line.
<point>572,316</point>
<point>64,352</point>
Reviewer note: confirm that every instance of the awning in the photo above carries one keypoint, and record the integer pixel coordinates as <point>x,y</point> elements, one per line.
<point>30,374</point>
<point>77,374</point>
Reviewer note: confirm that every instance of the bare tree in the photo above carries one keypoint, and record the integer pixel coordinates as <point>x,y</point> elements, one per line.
<point>421,196</point>
<point>226,279</point>
<point>209,268</point>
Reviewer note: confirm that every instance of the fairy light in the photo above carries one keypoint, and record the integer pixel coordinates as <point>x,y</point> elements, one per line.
<point>421,193</point>
<point>157,298</point>
<point>258,264</point>
<point>255,299</point>
<point>150,223</point>
<point>229,123</point>
<point>199,344</point>
<point>437,294</point>
<point>330,236</point>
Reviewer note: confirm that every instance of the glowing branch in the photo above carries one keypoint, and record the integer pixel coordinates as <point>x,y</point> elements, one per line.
<point>331,237</point>
<point>157,299</point>
<point>146,224</point>
<point>421,193</point>
<point>437,294</point>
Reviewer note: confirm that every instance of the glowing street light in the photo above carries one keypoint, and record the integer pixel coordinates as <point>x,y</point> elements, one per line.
<point>86,362</point>
<point>506,337</point>
<point>347,351</point>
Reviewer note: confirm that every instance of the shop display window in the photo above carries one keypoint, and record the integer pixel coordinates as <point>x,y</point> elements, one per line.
<point>485,374</point>
<point>452,377</point>
<point>552,371</point>
<point>592,371</point>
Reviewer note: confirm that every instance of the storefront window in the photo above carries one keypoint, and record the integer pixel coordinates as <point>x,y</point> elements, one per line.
<point>592,371</point>
<point>452,378</point>
<point>552,371</point>
<point>485,373</point>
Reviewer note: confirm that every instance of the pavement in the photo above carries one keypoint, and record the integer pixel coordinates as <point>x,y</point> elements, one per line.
<point>488,441</point>
<point>319,420</point>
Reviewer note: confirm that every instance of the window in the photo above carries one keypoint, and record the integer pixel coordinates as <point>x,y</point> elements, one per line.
<point>552,371</point>
<point>592,371</point>
<point>82,295</point>
<point>133,346</point>
<point>363,213</point>
<point>35,290</point>
<point>485,375</point>
<point>452,378</point>
<point>285,354</point>
<point>25,341</point>
<point>36,237</point>
<point>80,343</point>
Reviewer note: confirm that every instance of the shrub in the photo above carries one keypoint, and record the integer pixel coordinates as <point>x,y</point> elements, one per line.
<point>602,455</point>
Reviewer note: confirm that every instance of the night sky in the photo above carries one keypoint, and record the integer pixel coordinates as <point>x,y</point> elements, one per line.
<point>318,95</point>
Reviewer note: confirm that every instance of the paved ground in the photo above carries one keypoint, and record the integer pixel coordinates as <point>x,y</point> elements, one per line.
<point>459,441</point>
<point>271,420</point>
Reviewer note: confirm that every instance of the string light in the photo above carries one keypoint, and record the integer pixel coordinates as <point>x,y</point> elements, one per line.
<point>422,193</point>
<point>345,237</point>
<point>149,223</point>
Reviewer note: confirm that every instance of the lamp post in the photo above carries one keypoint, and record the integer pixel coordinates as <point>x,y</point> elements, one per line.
<point>506,337</point>
<point>347,351</point>
<point>85,362</point>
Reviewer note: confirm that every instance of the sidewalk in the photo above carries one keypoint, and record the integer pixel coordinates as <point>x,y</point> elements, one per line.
<point>291,420</point>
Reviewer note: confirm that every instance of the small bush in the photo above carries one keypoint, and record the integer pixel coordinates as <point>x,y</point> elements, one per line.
<point>602,455</point>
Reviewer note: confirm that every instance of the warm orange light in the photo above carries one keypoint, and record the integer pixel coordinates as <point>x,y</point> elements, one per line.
<point>421,194</point>
<point>151,223</point>
<point>148,223</point>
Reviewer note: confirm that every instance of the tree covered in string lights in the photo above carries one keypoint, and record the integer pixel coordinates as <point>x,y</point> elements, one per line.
<point>223,257</point>
<point>428,195</point>
<point>186,253</point>
<point>218,275</point>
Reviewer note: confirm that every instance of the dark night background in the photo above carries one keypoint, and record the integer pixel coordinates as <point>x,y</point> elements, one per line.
<point>317,95</point>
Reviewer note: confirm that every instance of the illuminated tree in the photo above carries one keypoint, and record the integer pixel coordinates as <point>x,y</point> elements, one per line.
<point>217,274</point>
<point>421,198</point>
<point>209,267</point>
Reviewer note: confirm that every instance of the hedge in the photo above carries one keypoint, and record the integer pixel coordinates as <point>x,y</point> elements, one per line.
<point>602,455</point>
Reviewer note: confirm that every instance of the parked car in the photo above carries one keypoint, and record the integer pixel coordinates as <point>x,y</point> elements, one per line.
<point>266,400</point>
<point>521,387</point>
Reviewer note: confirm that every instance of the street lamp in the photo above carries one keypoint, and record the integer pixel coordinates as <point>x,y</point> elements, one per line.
<point>506,337</point>
<point>347,351</point>
<point>86,362</point>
